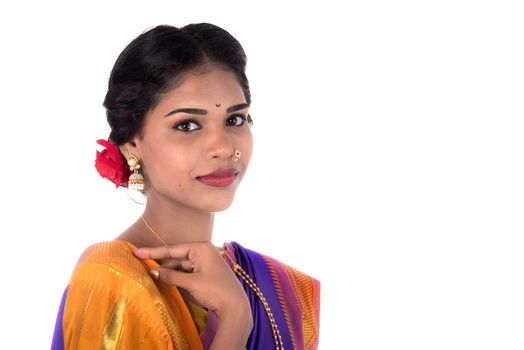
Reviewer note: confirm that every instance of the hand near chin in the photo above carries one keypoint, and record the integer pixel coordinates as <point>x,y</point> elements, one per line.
<point>199,268</point>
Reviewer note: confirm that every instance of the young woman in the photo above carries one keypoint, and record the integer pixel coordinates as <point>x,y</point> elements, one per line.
<point>177,103</point>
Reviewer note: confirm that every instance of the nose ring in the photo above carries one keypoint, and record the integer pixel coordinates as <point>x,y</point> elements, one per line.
<point>237,155</point>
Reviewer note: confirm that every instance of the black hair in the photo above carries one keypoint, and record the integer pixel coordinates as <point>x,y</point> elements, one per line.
<point>153,63</point>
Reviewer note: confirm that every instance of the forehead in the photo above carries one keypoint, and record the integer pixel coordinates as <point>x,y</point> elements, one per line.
<point>215,85</point>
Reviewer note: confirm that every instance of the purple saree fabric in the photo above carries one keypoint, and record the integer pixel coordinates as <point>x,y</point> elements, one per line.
<point>293,297</point>
<point>262,336</point>
<point>58,335</point>
<point>208,334</point>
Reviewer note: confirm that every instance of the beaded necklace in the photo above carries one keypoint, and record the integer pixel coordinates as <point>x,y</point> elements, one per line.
<point>279,345</point>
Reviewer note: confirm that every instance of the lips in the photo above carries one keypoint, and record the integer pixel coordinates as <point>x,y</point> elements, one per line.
<point>221,173</point>
<point>219,178</point>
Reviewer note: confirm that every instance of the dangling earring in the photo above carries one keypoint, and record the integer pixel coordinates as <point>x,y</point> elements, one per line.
<point>237,155</point>
<point>136,180</point>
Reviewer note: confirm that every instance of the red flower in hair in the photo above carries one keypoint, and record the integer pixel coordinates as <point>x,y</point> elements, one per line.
<point>111,165</point>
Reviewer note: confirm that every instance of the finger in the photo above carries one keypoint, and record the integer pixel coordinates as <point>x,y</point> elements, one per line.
<point>173,278</point>
<point>172,264</point>
<point>180,265</point>
<point>187,266</point>
<point>177,251</point>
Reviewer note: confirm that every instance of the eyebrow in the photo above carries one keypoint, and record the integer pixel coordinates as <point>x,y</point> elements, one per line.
<point>199,111</point>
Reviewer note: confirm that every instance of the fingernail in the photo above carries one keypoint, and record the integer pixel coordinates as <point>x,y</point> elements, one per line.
<point>155,274</point>
<point>140,253</point>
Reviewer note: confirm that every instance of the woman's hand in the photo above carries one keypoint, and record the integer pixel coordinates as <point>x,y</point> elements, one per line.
<point>212,283</point>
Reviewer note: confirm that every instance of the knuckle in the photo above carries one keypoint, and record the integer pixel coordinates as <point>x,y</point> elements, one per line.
<point>193,254</point>
<point>168,277</point>
<point>170,253</point>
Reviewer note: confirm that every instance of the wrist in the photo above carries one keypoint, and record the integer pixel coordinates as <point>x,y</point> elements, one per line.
<point>233,329</point>
<point>239,310</point>
<point>240,318</point>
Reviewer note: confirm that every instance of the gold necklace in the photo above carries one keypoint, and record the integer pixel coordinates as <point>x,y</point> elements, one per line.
<point>279,345</point>
<point>153,231</point>
<point>249,281</point>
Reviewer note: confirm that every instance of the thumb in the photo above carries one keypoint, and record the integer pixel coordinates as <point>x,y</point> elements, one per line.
<point>171,277</point>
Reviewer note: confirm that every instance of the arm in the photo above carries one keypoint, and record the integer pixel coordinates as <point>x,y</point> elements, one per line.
<point>212,283</point>
<point>233,331</point>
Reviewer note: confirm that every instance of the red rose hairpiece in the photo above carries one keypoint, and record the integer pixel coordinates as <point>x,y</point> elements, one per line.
<point>111,165</point>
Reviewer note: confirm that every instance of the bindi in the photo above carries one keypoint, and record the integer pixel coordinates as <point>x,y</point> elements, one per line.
<point>217,104</point>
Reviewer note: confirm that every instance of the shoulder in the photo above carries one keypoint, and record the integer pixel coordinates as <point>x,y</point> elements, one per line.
<point>284,276</point>
<point>293,295</point>
<point>239,252</point>
<point>287,278</point>
<point>118,254</point>
<point>111,265</point>
<point>111,297</point>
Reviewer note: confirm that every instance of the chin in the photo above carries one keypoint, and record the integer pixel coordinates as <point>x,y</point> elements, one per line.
<point>216,207</point>
<point>213,205</point>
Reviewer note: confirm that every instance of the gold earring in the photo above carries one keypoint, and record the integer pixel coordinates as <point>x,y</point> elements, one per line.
<point>136,180</point>
<point>237,155</point>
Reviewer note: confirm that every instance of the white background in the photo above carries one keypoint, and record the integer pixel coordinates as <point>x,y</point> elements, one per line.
<point>388,159</point>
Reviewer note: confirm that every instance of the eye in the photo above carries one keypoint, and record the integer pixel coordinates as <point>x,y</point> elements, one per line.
<point>186,126</point>
<point>236,120</point>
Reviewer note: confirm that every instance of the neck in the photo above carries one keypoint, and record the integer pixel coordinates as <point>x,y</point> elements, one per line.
<point>173,222</point>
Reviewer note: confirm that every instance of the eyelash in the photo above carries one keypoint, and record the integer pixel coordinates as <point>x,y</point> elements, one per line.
<point>244,119</point>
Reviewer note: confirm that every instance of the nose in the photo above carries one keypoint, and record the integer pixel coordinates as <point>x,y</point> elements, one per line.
<point>220,143</point>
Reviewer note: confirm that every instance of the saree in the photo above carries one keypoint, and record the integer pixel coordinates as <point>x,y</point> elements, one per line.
<point>111,302</point>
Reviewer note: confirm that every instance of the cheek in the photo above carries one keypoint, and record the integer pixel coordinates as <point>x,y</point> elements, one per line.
<point>176,163</point>
<point>170,163</point>
<point>247,145</point>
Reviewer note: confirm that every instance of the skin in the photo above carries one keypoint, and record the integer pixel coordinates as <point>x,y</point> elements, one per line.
<point>180,208</point>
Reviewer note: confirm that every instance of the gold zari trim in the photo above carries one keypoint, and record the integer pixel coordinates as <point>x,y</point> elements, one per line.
<point>114,327</point>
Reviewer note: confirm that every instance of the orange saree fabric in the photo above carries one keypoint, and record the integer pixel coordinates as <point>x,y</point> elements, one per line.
<point>113,303</point>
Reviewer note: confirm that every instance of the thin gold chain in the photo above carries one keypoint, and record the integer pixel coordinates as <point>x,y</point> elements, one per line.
<point>279,345</point>
<point>152,231</point>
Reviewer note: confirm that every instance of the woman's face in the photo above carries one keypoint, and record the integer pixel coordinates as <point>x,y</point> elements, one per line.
<point>193,131</point>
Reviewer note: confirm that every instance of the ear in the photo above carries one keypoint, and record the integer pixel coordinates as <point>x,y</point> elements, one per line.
<point>131,147</point>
